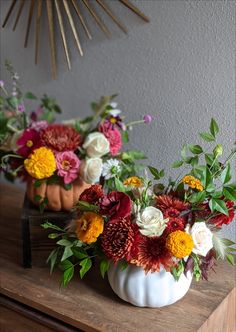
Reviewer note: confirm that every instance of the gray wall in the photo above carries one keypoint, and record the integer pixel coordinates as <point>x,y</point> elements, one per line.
<point>180,68</point>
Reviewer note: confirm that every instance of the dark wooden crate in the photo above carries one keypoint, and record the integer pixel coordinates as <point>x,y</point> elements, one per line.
<point>36,245</point>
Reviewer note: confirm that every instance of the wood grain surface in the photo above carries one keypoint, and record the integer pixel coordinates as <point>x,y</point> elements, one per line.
<point>91,305</point>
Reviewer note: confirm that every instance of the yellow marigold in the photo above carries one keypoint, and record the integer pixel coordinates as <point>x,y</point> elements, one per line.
<point>41,163</point>
<point>133,181</point>
<point>193,182</point>
<point>179,243</point>
<point>89,226</point>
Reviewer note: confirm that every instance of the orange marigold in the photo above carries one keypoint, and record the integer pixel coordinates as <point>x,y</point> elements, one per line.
<point>89,226</point>
<point>193,182</point>
<point>180,244</point>
<point>133,181</point>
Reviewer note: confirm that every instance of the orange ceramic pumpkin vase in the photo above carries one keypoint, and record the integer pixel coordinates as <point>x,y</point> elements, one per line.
<point>59,199</point>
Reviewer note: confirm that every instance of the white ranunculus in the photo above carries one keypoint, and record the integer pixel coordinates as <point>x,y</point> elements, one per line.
<point>91,170</point>
<point>202,238</point>
<point>151,222</point>
<point>96,145</point>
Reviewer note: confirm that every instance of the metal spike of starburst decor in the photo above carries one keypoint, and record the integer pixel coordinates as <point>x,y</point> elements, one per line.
<point>61,10</point>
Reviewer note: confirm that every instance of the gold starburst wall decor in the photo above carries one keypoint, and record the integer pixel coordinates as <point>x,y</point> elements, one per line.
<point>60,10</point>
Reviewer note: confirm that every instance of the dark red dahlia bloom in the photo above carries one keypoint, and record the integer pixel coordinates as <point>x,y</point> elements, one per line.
<point>29,141</point>
<point>117,239</point>
<point>60,137</point>
<point>153,254</point>
<point>222,219</point>
<point>132,255</point>
<point>93,194</point>
<point>116,205</point>
<point>175,224</point>
<point>172,207</point>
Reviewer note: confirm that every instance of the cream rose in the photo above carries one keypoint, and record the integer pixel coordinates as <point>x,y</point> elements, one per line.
<point>151,222</point>
<point>91,170</point>
<point>96,145</point>
<point>202,238</point>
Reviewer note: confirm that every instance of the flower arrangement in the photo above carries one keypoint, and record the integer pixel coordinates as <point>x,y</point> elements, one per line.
<point>33,147</point>
<point>152,224</point>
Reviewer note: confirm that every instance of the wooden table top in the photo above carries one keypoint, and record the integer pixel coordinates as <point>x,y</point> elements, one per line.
<point>91,305</point>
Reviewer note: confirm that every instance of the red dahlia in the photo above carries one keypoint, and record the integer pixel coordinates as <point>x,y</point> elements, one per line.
<point>60,137</point>
<point>117,239</point>
<point>153,253</point>
<point>165,202</point>
<point>93,194</point>
<point>175,224</point>
<point>222,219</point>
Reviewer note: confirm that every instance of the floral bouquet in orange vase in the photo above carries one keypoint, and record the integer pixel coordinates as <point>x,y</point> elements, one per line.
<point>152,237</point>
<point>59,160</point>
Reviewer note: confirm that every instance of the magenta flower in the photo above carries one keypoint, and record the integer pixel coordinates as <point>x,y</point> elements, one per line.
<point>29,141</point>
<point>67,165</point>
<point>147,118</point>
<point>114,138</point>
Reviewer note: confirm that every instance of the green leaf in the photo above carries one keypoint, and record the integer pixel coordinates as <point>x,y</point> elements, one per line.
<point>54,235</point>
<point>67,253</point>
<point>197,197</point>
<point>226,174</point>
<point>208,137</point>
<point>65,243</point>
<point>30,95</point>
<point>183,152</point>
<point>125,136</point>
<point>154,172</point>
<point>162,173</point>
<point>47,225</point>
<point>38,183</point>
<point>214,128</point>
<point>104,266</point>
<point>178,270</point>
<point>13,102</point>
<point>133,155</point>
<point>194,161</point>
<point>119,185</point>
<point>216,204</point>
<point>38,198</point>
<point>177,164</point>
<point>209,157</point>
<point>67,186</point>
<point>123,265</point>
<point>85,264</point>
<point>52,258</point>
<point>229,193</point>
<point>196,149</point>
<point>80,254</point>
<point>85,206</point>
<point>67,276</point>
<point>66,264</point>
<point>230,259</point>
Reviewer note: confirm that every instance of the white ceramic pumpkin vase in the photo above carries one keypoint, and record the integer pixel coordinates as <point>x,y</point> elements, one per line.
<point>154,290</point>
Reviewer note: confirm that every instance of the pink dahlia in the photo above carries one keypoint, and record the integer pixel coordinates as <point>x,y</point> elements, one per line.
<point>67,165</point>
<point>114,137</point>
<point>29,141</point>
<point>60,138</point>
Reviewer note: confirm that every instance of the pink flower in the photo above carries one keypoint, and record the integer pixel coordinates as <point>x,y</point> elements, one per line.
<point>39,125</point>
<point>67,165</point>
<point>113,136</point>
<point>29,141</point>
